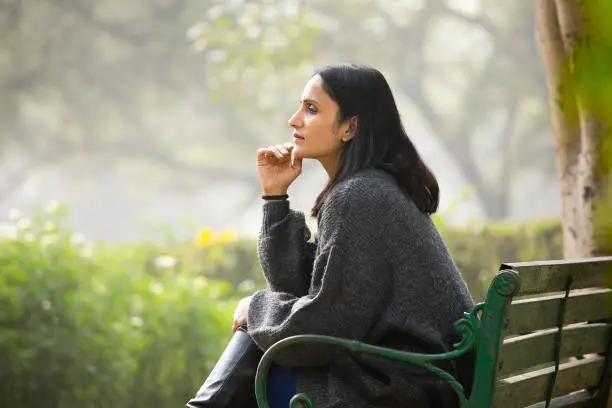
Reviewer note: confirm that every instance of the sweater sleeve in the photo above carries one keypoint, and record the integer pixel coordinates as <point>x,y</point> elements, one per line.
<point>350,283</point>
<point>284,252</point>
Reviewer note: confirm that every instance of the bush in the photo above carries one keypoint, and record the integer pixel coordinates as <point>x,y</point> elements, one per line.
<point>479,251</point>
<point>101,326</point>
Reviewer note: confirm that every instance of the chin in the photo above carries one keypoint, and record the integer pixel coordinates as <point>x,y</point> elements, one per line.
<point>301,153</point>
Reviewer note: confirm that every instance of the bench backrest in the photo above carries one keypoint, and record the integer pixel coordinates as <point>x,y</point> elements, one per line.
<point>544,332</point>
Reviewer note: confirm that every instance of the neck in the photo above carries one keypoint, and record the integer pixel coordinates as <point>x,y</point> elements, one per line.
<point>330,164</point>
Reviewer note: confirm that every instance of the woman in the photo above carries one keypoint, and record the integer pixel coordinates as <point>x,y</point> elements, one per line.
<point>378,271</point>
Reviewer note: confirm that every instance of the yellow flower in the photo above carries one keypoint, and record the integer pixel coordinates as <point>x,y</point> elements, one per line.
<point>205,238</point>
<point>227,237</point>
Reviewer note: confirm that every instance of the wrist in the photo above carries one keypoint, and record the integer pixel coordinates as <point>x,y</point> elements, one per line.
<point>274,191</point>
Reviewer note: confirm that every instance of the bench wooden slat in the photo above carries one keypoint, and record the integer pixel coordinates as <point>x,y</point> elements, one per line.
<point>527,389</point>
<point>580,399</point>
<point>527,315</point>
<point>519,353</point>
<point>551,276</point>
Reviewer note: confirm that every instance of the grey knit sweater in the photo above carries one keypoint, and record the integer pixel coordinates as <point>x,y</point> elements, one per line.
<point>378,272</point>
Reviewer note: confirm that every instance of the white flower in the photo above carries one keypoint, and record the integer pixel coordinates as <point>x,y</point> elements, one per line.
<point>8,231</point>
<point>77,239</point>
<point>49,240</point>
<point>49,226</point>
<point>199,45</point>
<point>157,288</point>
<point>52,207</point>
<point>86,250</point>
<point>217,55</point>
<point>199,282</point>
<point>24,224</point>
<point>136,321</point>
<point>165,261</point>
<point>215,12</point>
<point>195,32</point>
<point>14,214</point>
<point>253,31</point>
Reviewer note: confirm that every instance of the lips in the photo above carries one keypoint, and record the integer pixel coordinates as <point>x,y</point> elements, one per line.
<point>298,137</point>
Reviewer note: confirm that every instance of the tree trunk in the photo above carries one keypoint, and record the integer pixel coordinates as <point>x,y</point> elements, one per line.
<point>571,56</point>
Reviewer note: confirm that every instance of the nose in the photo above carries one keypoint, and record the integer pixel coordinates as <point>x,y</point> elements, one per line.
<point>295,121</point>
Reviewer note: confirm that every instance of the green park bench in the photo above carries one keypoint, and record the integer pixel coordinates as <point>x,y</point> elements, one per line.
<point>543,334</point>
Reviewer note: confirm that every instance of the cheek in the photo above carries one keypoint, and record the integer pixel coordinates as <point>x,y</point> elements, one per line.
<point>321,137</point>
<point>326,141</point>
<point>321,128</point>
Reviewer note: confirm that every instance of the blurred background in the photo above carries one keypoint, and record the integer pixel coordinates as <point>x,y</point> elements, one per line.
<point>151,111</point>
<point>129,199</point>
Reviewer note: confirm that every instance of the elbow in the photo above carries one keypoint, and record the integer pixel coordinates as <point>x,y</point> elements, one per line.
<point>307,356</point>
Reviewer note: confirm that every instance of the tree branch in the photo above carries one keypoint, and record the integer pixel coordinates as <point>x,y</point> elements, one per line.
<point>117,30</point>
<point>11,12</point>
<point>482,21</point>
<point>134,150</point>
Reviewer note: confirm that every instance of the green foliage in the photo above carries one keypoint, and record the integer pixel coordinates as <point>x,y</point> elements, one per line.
<point>479,250</point>
<point>138,325</point>
<point>592,61</point>
<point>592,80</point>
<point>242,41</point>
<point>90,326</point>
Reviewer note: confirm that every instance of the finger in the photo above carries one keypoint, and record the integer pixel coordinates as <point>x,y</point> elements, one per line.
<point>265,153</point>
<point>237,324</point>
<point>275,150</point>
<point>282,149</point>
<point>289,146</point>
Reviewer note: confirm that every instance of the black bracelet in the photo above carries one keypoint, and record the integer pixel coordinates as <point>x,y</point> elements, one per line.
<point>275,197</point>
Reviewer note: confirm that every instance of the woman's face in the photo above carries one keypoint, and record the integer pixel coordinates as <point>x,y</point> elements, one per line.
<point>317,134</point>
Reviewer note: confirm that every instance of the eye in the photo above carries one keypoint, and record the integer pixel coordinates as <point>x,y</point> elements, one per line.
<point>311,108</point>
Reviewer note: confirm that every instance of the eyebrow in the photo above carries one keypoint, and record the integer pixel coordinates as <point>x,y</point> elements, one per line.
<point>309,101</point>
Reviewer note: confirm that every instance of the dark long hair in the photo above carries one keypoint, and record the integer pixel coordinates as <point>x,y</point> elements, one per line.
<point>380,140</point>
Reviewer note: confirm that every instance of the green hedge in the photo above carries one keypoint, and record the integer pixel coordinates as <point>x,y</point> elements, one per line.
<point>104,326</point>
<point>140,325</point>
<point>479,250</point>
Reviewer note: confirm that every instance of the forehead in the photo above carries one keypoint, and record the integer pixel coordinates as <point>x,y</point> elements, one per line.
<point>314,90</point>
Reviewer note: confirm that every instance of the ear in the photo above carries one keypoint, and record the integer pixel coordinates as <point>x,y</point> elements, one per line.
<point>351,129</point>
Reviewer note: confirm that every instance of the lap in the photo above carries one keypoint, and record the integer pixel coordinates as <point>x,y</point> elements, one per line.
<point>281,387</point>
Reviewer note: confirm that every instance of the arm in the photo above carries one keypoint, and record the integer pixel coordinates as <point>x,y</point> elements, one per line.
<point>284,253</point>
<point>350,283</point>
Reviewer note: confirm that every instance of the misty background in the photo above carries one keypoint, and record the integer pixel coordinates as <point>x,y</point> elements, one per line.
<point>146,113</point>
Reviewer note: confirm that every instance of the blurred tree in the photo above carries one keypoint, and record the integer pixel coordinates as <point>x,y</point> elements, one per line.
<point>473,74</point>
<point>577,50</point>
<point>107,82</point>
<point>79,80</point>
